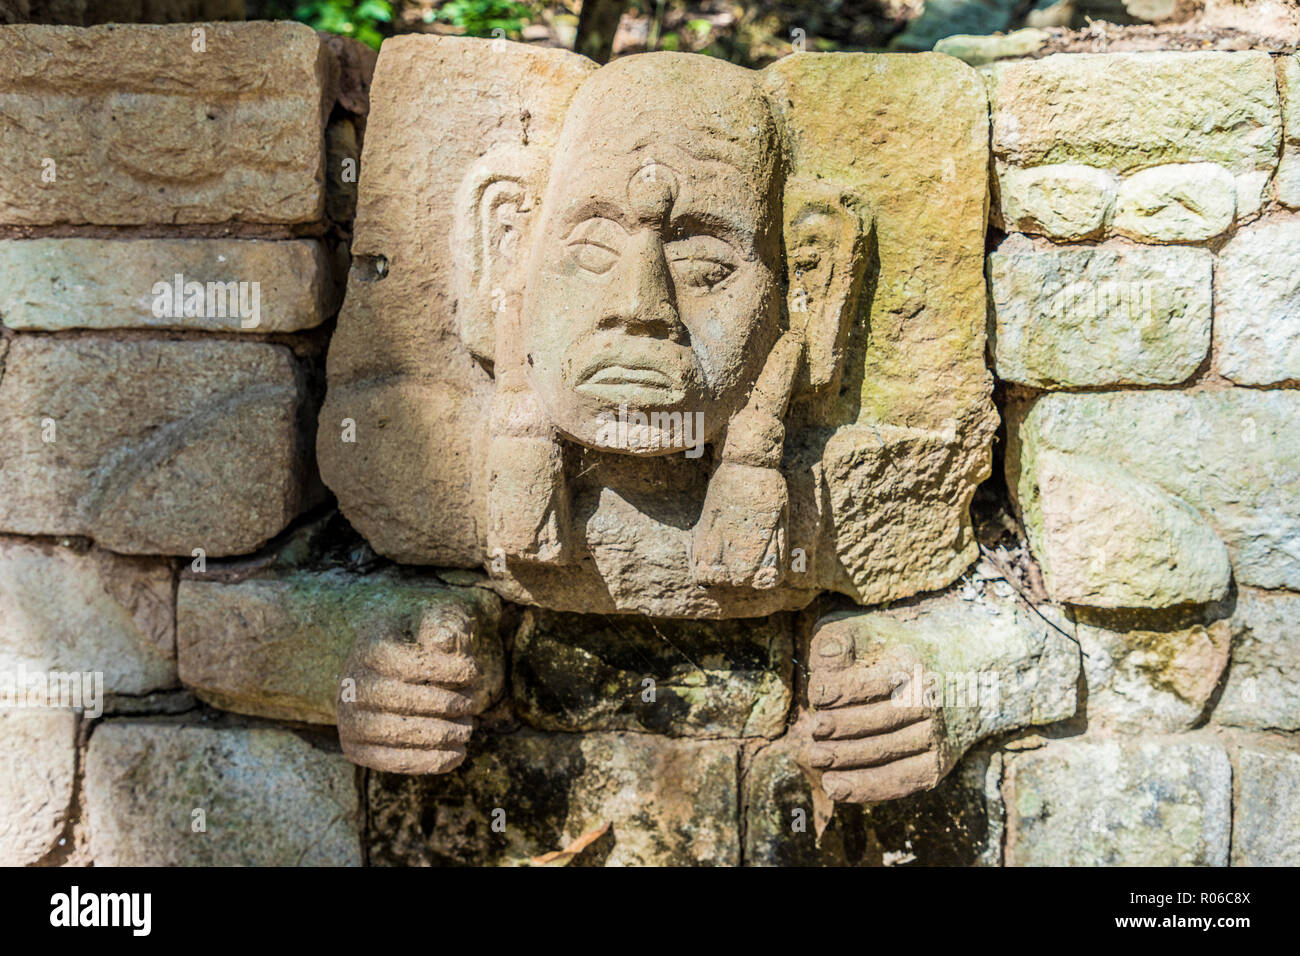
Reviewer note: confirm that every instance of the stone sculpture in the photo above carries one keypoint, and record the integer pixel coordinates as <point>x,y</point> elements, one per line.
<point>668,337</point>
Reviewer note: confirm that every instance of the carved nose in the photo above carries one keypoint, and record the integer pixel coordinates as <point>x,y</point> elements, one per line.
<point>641,294</point>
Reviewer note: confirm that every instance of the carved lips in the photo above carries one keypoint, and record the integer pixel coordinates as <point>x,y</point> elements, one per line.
<point>635,381</point>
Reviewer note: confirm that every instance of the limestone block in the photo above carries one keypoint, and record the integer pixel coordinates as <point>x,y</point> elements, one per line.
<point>275,645</point>
<point>1287,182</point>
<point>38,763</point>
<point>958,823</point>
<point>968,664</point>
<point>243,285</point>
<point>665,802</point>
<point>137,124</point>
<point>1110,314</point>
<point>1185,202</point>
<point>1062,201</point>
<point>267,798</point>
<point>581,672</point>
<point>1123,495</point>
<point>92,612</point>
<point>1266,811</point>
<point>1128,111</point>
<point>1151,672</point>
<point>1150,802</point>
<point>1257,307</point>
<point>1263,686</point>
<point>494,423</point>
<point>151,447</point>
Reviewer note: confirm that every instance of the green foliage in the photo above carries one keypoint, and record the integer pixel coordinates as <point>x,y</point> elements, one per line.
<point>480,17</point>
<point>349,18</point>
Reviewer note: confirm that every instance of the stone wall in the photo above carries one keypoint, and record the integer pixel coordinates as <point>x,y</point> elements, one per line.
<point>164,531</point>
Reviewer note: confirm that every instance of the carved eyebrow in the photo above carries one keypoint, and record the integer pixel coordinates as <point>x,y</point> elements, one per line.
<point>695,221</point>
<point>593,208</point>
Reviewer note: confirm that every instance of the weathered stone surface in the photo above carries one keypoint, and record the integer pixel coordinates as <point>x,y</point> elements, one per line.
<point>1063,201</point>
<point>157,447</point>
<point>666,802</point>
<point>1257,304</point>
<point>1287,183</point>
<point>56,284</point>
<point>126,125</point>
<point>978,50</point>
<point>973,662</point>
<point>451,467</point>
<point>1263,687</point>
<point>1111,314</point>
<point>1266,807</point>
<point>581,672</point>
<point>958,823</point>
<point>275,645</point>
<point>268,798</point>
<point>1123,495</point>
<point>1151,672</point>
<point>1128,111</point>
<point>1153,802</point>
<point>38,761</point>
<point>1184,202</point>
<point>65,611</point>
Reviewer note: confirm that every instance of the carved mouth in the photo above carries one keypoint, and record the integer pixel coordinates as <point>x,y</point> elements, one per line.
<point>628,375</point>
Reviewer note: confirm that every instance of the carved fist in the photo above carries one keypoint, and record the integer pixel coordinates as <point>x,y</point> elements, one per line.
<point>867,745</point>
<point>415,693</point>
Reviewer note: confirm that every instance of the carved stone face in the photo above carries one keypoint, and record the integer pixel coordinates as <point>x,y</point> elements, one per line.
<point>653,281</point>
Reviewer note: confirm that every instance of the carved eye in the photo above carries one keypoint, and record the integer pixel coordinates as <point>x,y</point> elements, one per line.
<point>702,273</point>
<point>804,259</point>
<point>700,262</point>
<point>595,244</point>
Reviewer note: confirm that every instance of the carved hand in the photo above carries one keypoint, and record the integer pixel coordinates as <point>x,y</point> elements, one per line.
<point>417,692</point>
<point>869,743</point>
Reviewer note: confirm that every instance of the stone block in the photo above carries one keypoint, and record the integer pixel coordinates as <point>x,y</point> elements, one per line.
<point>1152,802</point>
<point>38,764</point>
<point>152,447</point>
<point>165,794</point>
<point>1157,498</point>
<point>521,796</point>
<point>1257,304</point>
<point>1183,202</point>
<point>1263,687</point>
<point>50,285</point>
<point>1128,111</point>
<point>1266,808</point>
<point>87,612</point>
<point>1063,201</point>
<point>119,125</point>
<point>1110,314</point>
<point>1152,672</point>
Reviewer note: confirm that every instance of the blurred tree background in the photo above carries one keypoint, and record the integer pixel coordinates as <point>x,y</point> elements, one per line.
<point>752,33</point>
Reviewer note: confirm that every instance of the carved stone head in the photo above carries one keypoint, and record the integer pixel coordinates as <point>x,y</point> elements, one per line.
<point>668,291</point>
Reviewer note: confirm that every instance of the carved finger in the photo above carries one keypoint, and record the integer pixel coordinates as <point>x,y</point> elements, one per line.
<point>886,782</point>
<point>414,663</point>
<point>403,759</point>
<point>873,751</point>
<point>377,692</point>
<point>404,730</point>
<point>865,719</point>
<point>853,685</point>
<point>831,648</point>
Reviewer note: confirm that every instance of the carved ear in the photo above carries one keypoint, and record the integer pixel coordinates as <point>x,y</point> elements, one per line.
<point>495,207</point>
<point>825,236</point>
